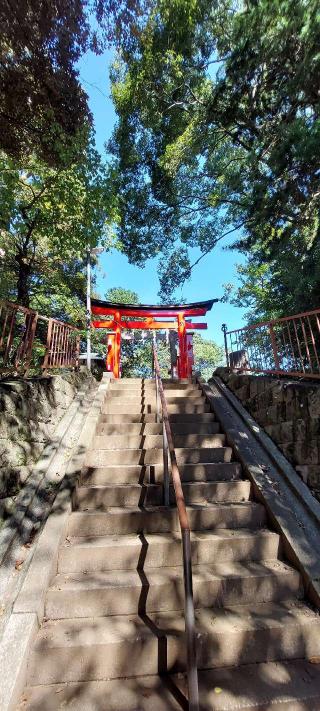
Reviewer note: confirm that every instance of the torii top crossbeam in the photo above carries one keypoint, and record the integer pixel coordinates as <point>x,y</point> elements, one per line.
<point>117,316</point>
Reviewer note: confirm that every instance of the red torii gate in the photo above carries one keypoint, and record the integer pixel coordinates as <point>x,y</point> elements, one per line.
<point>117,316</point>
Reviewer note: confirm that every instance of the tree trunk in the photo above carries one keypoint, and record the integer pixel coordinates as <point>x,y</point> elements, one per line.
<point>23,280</point>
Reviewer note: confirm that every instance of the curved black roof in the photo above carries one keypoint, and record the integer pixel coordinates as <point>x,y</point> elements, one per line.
<point>207,305</point>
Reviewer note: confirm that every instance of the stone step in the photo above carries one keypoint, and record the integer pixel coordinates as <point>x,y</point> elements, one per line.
<point>84,649</point>
<point>163,520</point>
<point>141,418</point>
<point>102,497</point>
<point>111,407</point>
<point>127,441</point>
<point>268,686</point>
<point>133,474</point>
<point>126,592</point>
<point>130,428</point>
<point>170,394</point>
<point>145,382</point>
<point>272,686</point>
<point>156,441</point>
<point>150,383</point>
<point>116,418</point>
<point>187,455</point>
<point>133,551</point>
<point>143,399</point>
<point>150,386</point>
<point>135,694</point>
<point>153,428</point>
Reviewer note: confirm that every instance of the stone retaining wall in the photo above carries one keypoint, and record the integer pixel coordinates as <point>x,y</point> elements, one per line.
<point>29,413</point>
<point>289,411</point>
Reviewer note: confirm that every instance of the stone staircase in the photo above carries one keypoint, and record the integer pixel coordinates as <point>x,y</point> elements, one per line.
<point>114,622</point>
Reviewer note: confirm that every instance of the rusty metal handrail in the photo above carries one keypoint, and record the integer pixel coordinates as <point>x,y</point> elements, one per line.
<point>168,447</point>
<point>18,332</point>
<point>288,345</point>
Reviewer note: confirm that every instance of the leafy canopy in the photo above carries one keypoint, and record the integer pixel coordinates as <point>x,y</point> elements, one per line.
<point>43,107</point>
<point>218,130</point>
<point>48,216</point>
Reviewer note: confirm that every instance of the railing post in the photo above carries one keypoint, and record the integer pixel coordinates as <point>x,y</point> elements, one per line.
<point>274,346</point>
<point>10,336</point>
<point>224,330</point>
<point>157,400</point>
<point>77,353</point>
<point>190,631</point>
<point>166,482</point>
<point>192,672</point>
<point>48,346</point>
<point>29,345</point>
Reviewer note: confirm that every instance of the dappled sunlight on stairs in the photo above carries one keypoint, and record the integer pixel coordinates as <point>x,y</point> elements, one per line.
<point>113,634</point>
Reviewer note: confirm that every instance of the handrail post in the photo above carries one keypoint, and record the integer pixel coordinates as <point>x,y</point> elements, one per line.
<point>190,632</point>
<point>274,346</point>
<point>166,483</point>
<point>157,399</point>
<point>224,330</point>
<point>29,345</point>
<point>193,690</point>
<point>48,346</point>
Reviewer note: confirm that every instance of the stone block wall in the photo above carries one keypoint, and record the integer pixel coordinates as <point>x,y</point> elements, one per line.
<point>289,411</point>
<point>29,413</point>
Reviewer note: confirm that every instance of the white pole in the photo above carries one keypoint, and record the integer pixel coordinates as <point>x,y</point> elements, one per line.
<point>88,308</point>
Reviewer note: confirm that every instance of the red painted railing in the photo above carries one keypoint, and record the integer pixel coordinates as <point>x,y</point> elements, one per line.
<point>29,341</point>
<point>285,345</point>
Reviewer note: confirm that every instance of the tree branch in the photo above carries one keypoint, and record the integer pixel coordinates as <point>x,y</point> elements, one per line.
<point>225,234</point>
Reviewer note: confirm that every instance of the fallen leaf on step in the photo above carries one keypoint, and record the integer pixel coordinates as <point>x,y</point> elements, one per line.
<point>19,564</point>
<point>314,660</point>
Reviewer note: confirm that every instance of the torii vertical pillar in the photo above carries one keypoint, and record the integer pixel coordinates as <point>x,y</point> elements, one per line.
<point>183,357</point>
<point>111,337</point>
<point>190,357</point>
<point>117,345</point>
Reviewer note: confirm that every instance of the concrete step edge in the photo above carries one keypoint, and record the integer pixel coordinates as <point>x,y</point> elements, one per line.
<point>129,552</point>
<point>253,616</point>
<point>153,538</point>
<point>116,579</point>
<point>126,591</point>
<point>295,685</point>
<point>81,649</point>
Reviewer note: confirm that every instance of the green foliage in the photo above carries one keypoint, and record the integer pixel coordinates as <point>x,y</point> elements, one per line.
<point>218,130</point>
<point>207,355</point>
<point>43,107</point>
<point>48,216</point>
<point>122,296</point>
<point>136,358</point>
<point>42,104</point>
<point>287,284</point>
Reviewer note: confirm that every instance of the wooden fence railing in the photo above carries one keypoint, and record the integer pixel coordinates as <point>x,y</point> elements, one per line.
<point>30,341</point>
<point>285,345</point>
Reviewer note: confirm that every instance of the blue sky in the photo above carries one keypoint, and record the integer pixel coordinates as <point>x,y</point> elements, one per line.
<point>114,269</point>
